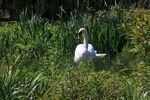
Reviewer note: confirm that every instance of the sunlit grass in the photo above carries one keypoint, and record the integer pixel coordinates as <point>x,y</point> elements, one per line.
<point>37,59</point>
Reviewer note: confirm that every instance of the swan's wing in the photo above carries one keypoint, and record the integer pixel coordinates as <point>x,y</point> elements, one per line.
<point>93,52</point>
<point>90,48</point>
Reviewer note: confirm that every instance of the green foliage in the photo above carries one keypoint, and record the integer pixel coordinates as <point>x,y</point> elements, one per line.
<point>37,57</point>
<point>133,92</point>
<point>16,84</point>
<point>138,30</point>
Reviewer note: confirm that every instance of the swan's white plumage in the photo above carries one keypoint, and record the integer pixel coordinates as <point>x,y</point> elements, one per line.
<point>83,54</point>
<point>85,51</point>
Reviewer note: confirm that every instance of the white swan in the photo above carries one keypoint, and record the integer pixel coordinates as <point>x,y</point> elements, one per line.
<point>85,51</point>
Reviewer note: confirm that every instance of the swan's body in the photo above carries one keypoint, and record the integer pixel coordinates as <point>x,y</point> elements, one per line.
<point>85,51</point>
<point>83,54</point>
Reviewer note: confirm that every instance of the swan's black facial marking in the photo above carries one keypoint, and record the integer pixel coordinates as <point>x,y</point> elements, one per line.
<point>80,33</point>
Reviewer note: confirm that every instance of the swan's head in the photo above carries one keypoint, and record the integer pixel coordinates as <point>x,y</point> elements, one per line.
<point>81,31</point>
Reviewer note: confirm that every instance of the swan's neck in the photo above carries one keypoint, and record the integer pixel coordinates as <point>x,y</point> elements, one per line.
<point>85,39</point>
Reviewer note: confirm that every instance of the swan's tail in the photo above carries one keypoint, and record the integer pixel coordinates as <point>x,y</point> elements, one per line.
<point>101,55</point>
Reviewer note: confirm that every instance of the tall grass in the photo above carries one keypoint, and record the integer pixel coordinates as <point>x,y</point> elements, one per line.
<point>37,57</point>
<point>17,84</point>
